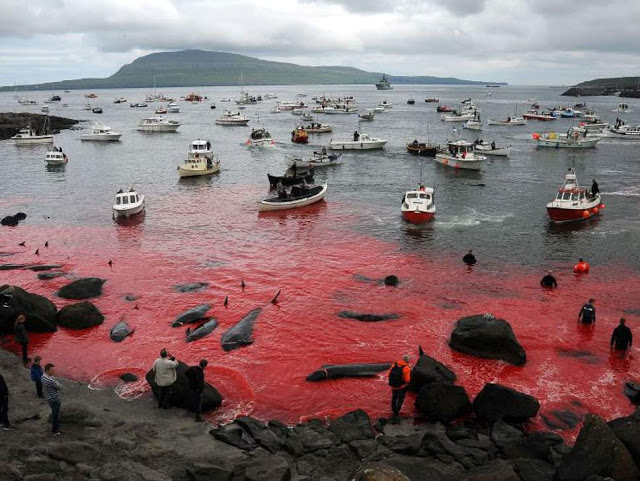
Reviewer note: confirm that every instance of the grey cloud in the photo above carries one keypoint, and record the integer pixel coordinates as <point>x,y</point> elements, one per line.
<point>359,6</point>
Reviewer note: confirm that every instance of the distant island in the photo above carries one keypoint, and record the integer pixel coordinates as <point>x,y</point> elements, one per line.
<point>195,68</point>
<point>622,86</point>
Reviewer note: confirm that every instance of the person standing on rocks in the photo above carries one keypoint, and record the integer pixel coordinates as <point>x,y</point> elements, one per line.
<point>36,374</point>
<point>165,375</point>
<point>195,374</point>
<point>622,337</point>
<point>21,336</point>
<point>587,314</point>
<point>4,405</point>
<point>399,377</point>
<point>53,395</point>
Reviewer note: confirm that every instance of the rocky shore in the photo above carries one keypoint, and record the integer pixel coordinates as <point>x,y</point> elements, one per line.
<point>12,122</point>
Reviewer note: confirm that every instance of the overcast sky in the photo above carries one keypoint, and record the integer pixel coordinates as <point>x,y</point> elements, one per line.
<point>554,42</point>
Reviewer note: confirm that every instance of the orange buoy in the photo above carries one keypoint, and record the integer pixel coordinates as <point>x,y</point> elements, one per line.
<point>602,206</point>
<point>535,135</point>
<point>596,210</point>
<point>585,214</point>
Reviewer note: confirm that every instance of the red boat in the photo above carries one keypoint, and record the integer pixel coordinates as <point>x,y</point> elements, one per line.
<point>535,115</point>
<point>573,203</point>
<point>418,206</point>
<point>444,108</point>
<point>300,136</point>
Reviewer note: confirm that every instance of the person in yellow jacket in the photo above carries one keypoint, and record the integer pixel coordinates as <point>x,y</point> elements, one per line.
<point>399,378</point>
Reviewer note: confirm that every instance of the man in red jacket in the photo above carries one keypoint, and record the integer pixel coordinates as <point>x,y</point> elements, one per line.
<point>399,377</point>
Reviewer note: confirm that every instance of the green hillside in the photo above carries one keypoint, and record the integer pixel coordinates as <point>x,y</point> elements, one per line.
<point>191,68</point>
<point>623,86</point>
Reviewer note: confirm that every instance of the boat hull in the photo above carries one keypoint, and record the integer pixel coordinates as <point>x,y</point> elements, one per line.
<point>100,138</point>
<point>182,172</point>
<point>459,164</point>
<point>564,144</point>
<point>42,139</point>
<point>129,212</point>
<point>352,145</point>
<point>417,217</point>
<point>260,142</point>
<point>504,152</point>
<point>562,215</point>
<point>158,128</point>
<point>55,163</point>
<point>266,206</point>
<point>232,123</point>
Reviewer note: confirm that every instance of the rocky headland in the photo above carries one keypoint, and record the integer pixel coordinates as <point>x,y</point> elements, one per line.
<point>12,122</point>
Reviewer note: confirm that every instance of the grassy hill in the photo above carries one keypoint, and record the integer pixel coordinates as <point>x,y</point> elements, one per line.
<point>627,86</point>
<point>191,68</point>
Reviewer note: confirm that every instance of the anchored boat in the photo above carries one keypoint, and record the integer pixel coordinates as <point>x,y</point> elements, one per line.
<point>573,203</point>
<point>128,203</point>
<point>298,196</point>
<point>100,132</point>
<point>200,160</point>
<point>460,155</point>
<point>418,206</point>
<point>359,142</point>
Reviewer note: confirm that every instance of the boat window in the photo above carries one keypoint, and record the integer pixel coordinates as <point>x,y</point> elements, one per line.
<point>132,199</point>
<point>581,195</point>
<point>575,196</point>
<point>117,200</point>
<point>567,196</point>
<point>424,196</point>
<point>411,196</point>
<point>559,196</point>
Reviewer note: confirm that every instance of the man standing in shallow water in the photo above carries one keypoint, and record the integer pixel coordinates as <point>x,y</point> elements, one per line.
<point>622,337</point>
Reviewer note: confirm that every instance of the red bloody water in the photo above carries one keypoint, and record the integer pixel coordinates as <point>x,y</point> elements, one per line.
<point>322,264</point>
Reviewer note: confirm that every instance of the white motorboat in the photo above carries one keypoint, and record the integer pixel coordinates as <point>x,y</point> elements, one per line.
<point>259,138</point>
<point>120,100</point>
<point>276,110</point>
<point>173,108</point>
<point>100,132</point>
<point>161,111</point>
<point>368,116</point>
<point>623,107</point>
<point>318,109</point>
<point>509,122</point>
<point>26,101</point>
<point>269,96</point>
<point>29,136</point>
<point>232,118</point>
<point>297,111</point>
<point>307,116</point>
<point>460,155</point>
<point>573,203</point>
<point>473,124</point>
<point>623,131</point>
<point>492,149</point>
<point>573,139</point>
<point>138,105</point>
<point>128,203</point>
<point>44,109</point>
<point>291,105</point>
<point>200,160</point>
<point>317,159</point>
<point>378,109</point>
<point>386,105</point>
<point>158,124</point>
<point>359,142</point>
<point>56,157</point>
<point>298,196</point>
<point>457,116</point>
<point>418,206</point>
<point>340,109</point>
<point>318,128</point>
<point>88,107</point>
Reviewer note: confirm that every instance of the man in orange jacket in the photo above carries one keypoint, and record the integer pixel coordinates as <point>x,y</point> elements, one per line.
<point>581,267</point>
<point>399,377</point>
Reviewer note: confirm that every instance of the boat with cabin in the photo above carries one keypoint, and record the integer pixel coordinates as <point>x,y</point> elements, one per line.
<point>100,132</point>
<point>418,206</point>
<point>96,110</point>
<point>573,139</point>
<point>259,137</point>
<point>173,108</point>
<point>384,84</point>
<point>128,203</point>
<point>359,142</point>
<point>573,203</point>
<point>297,196</point>
<point>157,124</point>
<point>29,136</point>
<point>230,118</point>
<point>533,114</point>
<point>200,160</point>
<point>299,135</point>
<point>460,154</point>
<point>53,99</point>
<point>509,122</point>
<point>55,157</point>
<point>621,130</point>
<point>490,148</point>
<point>422,148</point>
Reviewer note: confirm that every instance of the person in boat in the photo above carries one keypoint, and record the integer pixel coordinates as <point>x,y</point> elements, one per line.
<point>595,189</point>
<point>208,145</point>
<point>282,193</point>
<point>582,267</point>
<point>587,314</point>
<point>469,258</point>
<point>356,136</point>
<point>415,142</point>
<point>493,145</point>
<point>509,119</point>
<point>294,169</point>
<point>548,280</point>
<point>622,338</point>
<point>324,151</point>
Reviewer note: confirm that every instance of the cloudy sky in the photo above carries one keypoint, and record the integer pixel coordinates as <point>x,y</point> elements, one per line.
<point>554,42</point>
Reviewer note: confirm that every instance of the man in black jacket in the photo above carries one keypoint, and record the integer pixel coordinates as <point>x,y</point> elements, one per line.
<point>549,280</point>
<point>21,336</point>
<point>621,338</point>
<point>4,405</point>
<point>588,313</point>
<point>469,258</point>
<point>195,374</point>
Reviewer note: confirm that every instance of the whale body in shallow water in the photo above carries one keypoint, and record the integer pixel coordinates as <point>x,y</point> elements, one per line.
<point>358,316</point>
<point>192,315</point>
<point>240,334</point>
<point>120,331</point>
<point>338,371</point>
<point>201,331</point>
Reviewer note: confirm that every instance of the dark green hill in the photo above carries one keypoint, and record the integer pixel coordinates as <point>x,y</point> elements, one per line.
<point>626,86</point>
<point>192,68</point>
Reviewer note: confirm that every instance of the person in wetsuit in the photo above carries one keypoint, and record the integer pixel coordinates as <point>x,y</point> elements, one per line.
<point>622,337</point>
<point>356,136</point>
<point>549,280</point>
<point>469,258</point>
<point>595,189</point>
<point>587,314</point>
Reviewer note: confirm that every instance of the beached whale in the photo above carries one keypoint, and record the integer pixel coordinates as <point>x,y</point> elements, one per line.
<point>240,334</point>
<point>192,315</point>
<point>202,330</point>
<point>120,331</point>
<point>338,371</point>
<point>367,317</point>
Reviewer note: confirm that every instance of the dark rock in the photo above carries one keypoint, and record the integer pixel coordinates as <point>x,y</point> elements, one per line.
<point>279,428</point>
<point>234,435</point>
<point>20,216</point>
<point>458,432</point>
<point>262,435</point>
<point>367,317</point>
<point>627,430</point>
<point>180,393</point>
<point>335,463</point>
<point>40,477</point>
<point>597,451</point>
<point>402,444</point>
<point>391,280</point>
<point>428,370</point>
<point>533,469</point>
<point>499,402</point>
<point>193,287</point>
<point>40,311</point>
<point>352,426</point>
<point>128,377</point>
<point>537,445</point>
<point>9,221</point>
<point>265,467</point>
<point>503,434</point>
<point>74,452</point>
<point>561,419</point>
<point>314,436</point>
<point>378,472</point>
<point>498,470</point>
<point>82,289</point>
<point>632,391</point>
<point>209,472</point>
<point>435,442</point>
<point>442,402</point>
<point>363,448</point>
<point>81,315</point>
<point>47,276</point>
<point>487,338</point>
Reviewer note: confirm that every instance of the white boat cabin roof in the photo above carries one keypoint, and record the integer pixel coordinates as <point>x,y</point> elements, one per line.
<point>571,184</point>
<point>424,193</point>
<point>55,155</point>
<point>200,144</point>
<point>124,198</point>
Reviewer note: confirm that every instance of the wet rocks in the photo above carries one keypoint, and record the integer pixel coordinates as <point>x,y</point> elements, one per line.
<point>500,402</point>
<point>627,430</point>
<point>378,473</point>
<point>81,315</point>
<point>73,452</point>
<point>82,289</point>
<point>488,338</point>
<point>40,311</point>
<point>442,402</point>
<point>428,370</point>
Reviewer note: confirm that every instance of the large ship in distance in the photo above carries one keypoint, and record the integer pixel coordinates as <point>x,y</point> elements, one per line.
<point>384,84</point>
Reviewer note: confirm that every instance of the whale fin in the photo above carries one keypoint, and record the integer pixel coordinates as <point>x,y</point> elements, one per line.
<point>420,351</point>
<point>226,301</point>
<point>275,299</point>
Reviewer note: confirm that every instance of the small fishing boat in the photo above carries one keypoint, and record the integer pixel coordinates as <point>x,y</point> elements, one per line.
<point>318,128</point>
<point>276,110</point>
<point>297,111</point>
<point>161,111</point>
<point>359,142</point>
<point>623,107</point>
<point>473,124</point>
<point>621,130</point>
<point>422,148</point>
<point>128,203</point>
<point>173,108</point>
<point>120,100</point>
<point>138,105</point>
<point>460,155</point>
<point>259,137</point>
<point>573,203</point>
<point>200,160</point>
<point>492,149</point>
<point>193,97</point>
<point>96,110</point>
<point>299,136</point>
<point>299,173</point>
<point>340,109</point>
<point>568,113</point>
<point>53,99</point>
<point>90,96</point>
<point>269,96</point>
<point>158,124</point>
<point>509,122</point>
<point>457,116</point>
<point>318,109</point>
<point>56,157</point>
<point>411,101</point>
<point>299,196</point>
<point>367,116</point>
<point>44,109</point>
<point>535,115</point>
<point>232,119</point>
<point>386,105</point>
<point>418,206</point>
<point>444,108</point>
<point>100,132</point>
<point>432,100</point>
<point>88,107</point>
<point>307,116</point>
<point>317,159</point>
<point>573,139</point>
<point>29,136</point>
<point>291,105</point>
<point>225,99</point>
<point>378,109</point>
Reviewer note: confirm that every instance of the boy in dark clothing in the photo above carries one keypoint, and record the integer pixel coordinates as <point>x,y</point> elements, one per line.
<point>36,374</point>
<point>195,374</point>
<point>588,313</point>
<point>622,337</point>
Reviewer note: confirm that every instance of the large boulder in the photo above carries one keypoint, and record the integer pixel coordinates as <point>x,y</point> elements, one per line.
<point>82,289</point>
<point>597,452</point>
<point>74,452</point>
<point>81,315</point>
<point>627,430</point>
<point>378,472</point>
<point>428,370</point>
<point>180,393</point>
<point>487,337</point>
<point>500,402</point>
<point>442,402</point>
<point>40,311</point>
<point>353,426</point>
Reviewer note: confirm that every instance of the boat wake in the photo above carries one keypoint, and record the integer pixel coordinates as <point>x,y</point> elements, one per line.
<point>472,219</point>
<point>630,192</point>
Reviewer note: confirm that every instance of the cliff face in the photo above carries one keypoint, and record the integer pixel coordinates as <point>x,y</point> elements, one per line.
<point>625,86</point>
